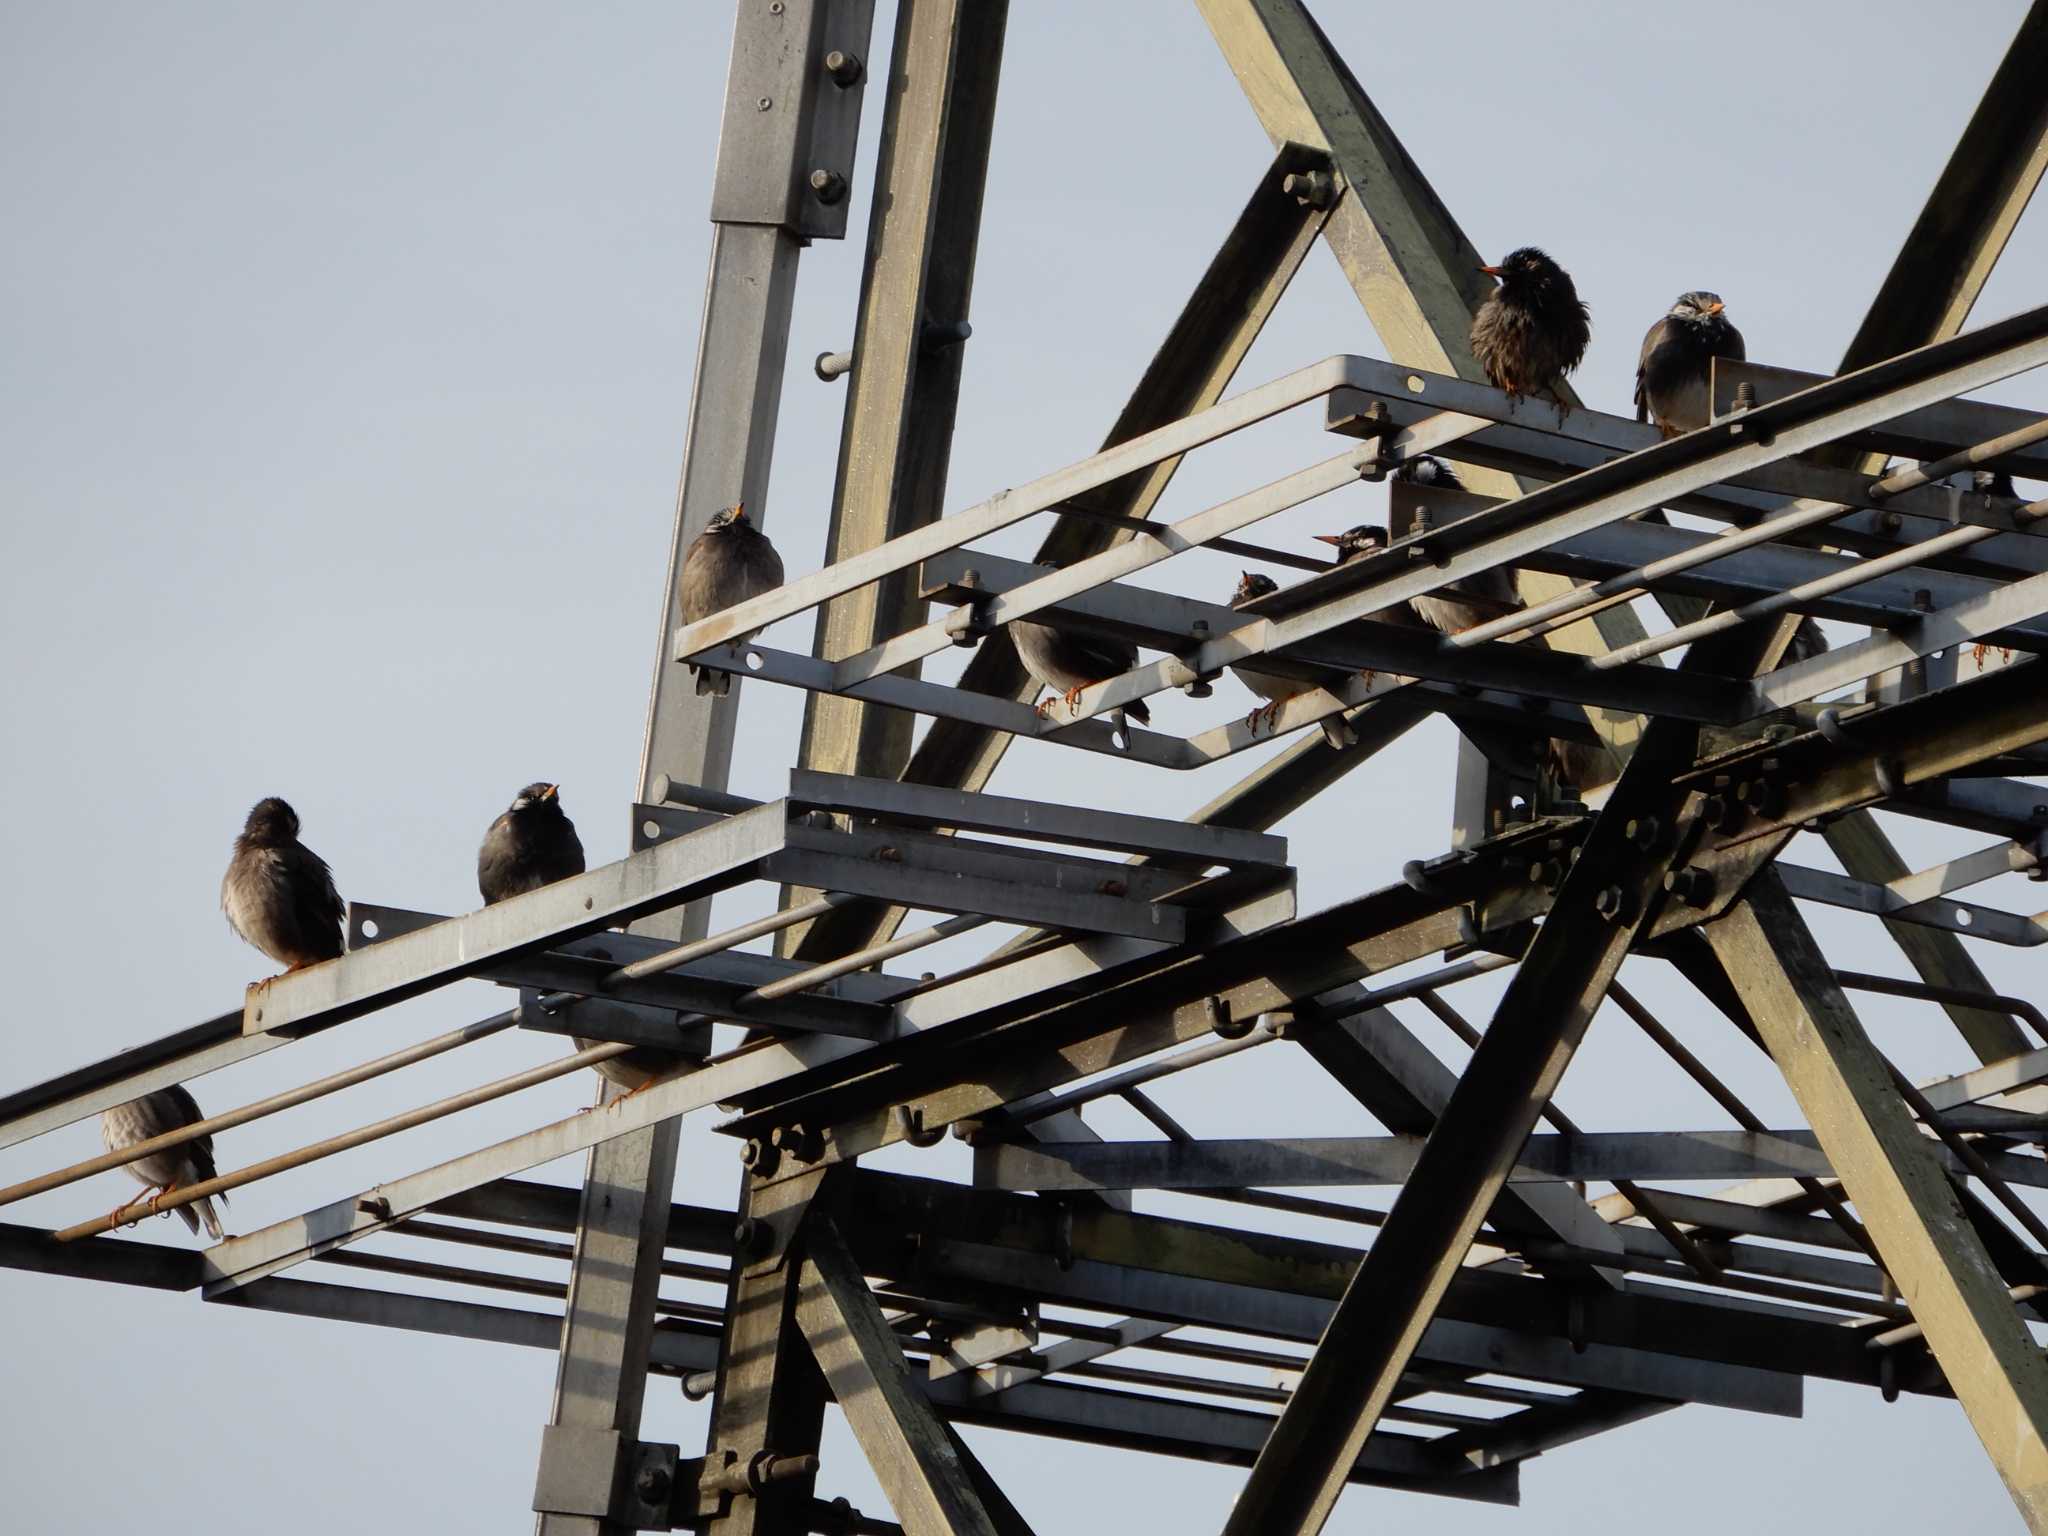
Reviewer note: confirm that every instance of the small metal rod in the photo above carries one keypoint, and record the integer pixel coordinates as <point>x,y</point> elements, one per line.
<point>1970,1157</point>
<point>1297,1205</point>
<point>1928,992</point>
<point>1223,546</point>
<point>1912,1331</point>
<point>190,1193</point>
<point>1145,1072</point>
<point>861,959</point>
<point>1841,1301</point>
<point>717,943</point>
<point>484,1279</point>
<point>1794,596</point>
<point>1418,986</point>
<point>258,1108</point>
<point>1631,584</point>
<point>1830,1197</point>
<point>1681,1243</point>
<point>1255,1392</point>
<point>541,1248</point>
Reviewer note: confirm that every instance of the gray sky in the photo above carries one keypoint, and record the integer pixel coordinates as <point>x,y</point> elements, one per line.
<point>344,358</point>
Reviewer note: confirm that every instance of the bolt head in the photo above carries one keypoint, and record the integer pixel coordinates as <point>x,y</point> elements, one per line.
<point>829,186</point>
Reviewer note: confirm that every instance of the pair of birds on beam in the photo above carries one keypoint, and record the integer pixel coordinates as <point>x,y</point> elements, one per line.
<point>1532,330</point>
<point>280,896</point>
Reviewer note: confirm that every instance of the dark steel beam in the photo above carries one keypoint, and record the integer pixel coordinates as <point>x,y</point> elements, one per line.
<point>909,342</point>
<point>1901,1192</point>
<point>1195,363</point>
<point>912,1454</point>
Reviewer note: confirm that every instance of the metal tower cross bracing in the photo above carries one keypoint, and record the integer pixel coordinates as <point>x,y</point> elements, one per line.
<point>1496,1312</point>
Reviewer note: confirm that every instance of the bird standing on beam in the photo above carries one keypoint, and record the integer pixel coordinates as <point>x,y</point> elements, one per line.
<point>1675,372</point>
<point>278,894</point>
<point>165,1172</point>
<point>1532,330</point>
<point>729,563</point>
<point>1275,688</point>
<point>1067,662</point>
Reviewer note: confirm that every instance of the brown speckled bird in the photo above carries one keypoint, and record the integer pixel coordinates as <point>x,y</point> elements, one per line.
<point>1532,330</point>
<point>1675,371</point>
<point>1274,687</point>
<point>1067,661</point>
<point>162,1173</point>
<point>729,563</point>
<point>278,894</point>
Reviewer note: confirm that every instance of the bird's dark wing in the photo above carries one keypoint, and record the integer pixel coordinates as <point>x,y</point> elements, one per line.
<point>181,1110</point>
<point>1097,657</point>
<point>316,905</point>
<point>496,860</point>
<point>1655,337</point>
<point>1733,347</point>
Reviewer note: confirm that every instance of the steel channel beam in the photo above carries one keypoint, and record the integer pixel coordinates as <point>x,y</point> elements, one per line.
<point>1900,1190</point>
<point>907,1447</point>
<point>1223,316</point>
<point>917,282</point>
<point>1535,1430</point>
<point>1360,1161</point>
<point>1513,1071</point>
<point>1957,917</point>
<point>402,967</point>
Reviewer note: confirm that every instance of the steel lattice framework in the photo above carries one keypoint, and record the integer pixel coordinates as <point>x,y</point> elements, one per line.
<point>1496,1312</point>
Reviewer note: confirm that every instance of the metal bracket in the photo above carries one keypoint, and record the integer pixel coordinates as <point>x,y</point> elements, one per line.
<point>600,1472</point>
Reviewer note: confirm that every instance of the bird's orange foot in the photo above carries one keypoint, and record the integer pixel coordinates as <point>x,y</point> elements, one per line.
<point>122,1210</point>
<point>1043,707</point>
<point>1272,716</point>
<point>1073,697</point>
<point>1251,721</point>
<point>169,1189</point>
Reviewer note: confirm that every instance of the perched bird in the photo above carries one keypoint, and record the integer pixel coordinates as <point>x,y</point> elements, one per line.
<point>278,894</point>
<point>531,845</point>
<point>1428,469</point>
<point>729,563</point>
<point>1464,603</point>
<point>1675,371</point>
<point>1993,482</point>
<point>534,843</point>
<point>1067,662</point>
<point>154,1114</point>
<point>1532,330</point>
<point>1273,687</point>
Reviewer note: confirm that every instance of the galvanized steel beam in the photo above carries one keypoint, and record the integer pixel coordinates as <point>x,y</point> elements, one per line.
<point>1904,1198</point>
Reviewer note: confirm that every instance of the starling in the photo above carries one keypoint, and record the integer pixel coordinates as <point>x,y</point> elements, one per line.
<point>168,1109</point>
<point>729,563</point>
<point>1675,372</point>
<point>1274,688</point>
<point>531,845</point>
<point>1067,662</point>
<point>1532,330</point>
<point>278,894</point>
<point>1464,603</point>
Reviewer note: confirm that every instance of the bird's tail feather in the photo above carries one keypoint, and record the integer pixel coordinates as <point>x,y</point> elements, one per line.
<point>1139,711</point>
<point>190,1218</point>
<point>1338,733</point>
<point>206,1210</point>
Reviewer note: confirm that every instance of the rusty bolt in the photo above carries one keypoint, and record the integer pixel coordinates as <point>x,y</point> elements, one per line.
<point>1614,904</point>
<point>1692,885</point>
<point>1312,189</point>
<point>1722,812</point>
<point>1646,832</point>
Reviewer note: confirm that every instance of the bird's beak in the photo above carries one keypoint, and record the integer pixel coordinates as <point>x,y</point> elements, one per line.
<point>1336,539</point>
<point>549,792</point>
<point>739,512</point>
<point>1715,309</point>
<point>1491,271</point>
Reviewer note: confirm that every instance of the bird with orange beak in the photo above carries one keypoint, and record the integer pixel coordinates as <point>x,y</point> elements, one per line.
<point>1675,373</point>
<point>1532,330</point>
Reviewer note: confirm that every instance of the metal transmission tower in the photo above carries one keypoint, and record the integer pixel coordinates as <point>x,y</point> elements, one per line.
<point>1496,1312</point>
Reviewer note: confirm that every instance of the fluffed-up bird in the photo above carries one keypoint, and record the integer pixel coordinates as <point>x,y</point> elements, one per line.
<point>1675,372</point>
<point>1066,662</point>
<point>1275,688</point>
<point>173,1168</point>
<point>278,894</point>
<point>1532,330</point>
<point>729,563</point>
<point>531,845</point>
